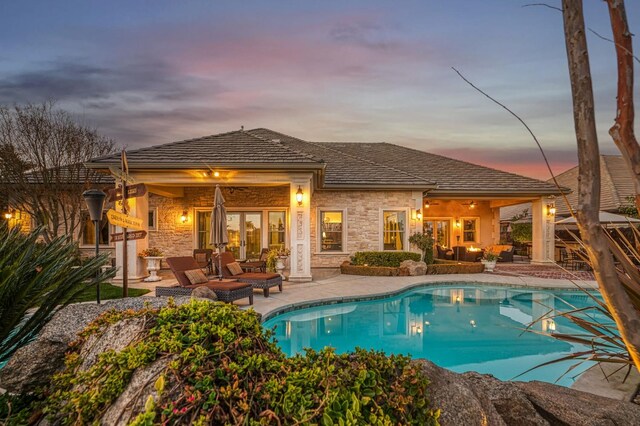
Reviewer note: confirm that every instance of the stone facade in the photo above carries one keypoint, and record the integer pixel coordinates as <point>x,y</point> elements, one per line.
<point>362,215</point>
<point>175,238</point>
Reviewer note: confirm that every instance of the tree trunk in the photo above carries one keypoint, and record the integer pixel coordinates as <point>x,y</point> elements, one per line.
<point>622,130</point>
<point>596,243</point>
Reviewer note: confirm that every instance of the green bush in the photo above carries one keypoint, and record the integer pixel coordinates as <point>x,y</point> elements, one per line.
<point>521,232</point>
<point>223,369</point>
<point>38,275</point>
<point>425,243</point>
<point>383,258</point>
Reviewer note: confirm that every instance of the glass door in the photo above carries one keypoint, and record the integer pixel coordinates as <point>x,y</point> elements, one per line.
<point>252,235</point>
<point>440,231</point>
<point>234,233</point>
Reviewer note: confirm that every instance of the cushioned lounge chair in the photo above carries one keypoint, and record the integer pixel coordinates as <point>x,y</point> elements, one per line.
<point>226,291</point>
<point>263,281</point>
<point>444,253</point>
<point>260,265</point>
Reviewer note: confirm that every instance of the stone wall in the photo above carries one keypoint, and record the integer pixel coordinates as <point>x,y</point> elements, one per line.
<point>362,215</point>
<point>175,238</point>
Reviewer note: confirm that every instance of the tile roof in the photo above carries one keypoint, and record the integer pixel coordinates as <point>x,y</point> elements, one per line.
<point>237,147</point>
<point>616,185</point>
<point>345,164</point>
<point>348,168</point>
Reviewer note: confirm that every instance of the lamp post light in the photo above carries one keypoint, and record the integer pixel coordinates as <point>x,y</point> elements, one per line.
<point>95,204</point>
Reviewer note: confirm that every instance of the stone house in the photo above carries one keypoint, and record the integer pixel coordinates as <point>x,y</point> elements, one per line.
<point>322,200</point>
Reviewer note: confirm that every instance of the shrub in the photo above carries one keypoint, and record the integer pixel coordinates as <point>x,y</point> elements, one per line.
<point>425,243</point>
<point>521,232</point>
<point>38,275</point>
<point>223,369</point>
<point>383,258</point>
<point>441,267</point>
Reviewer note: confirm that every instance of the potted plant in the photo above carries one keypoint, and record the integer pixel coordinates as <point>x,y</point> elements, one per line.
<point>153,256</point>
<point>489,260</point>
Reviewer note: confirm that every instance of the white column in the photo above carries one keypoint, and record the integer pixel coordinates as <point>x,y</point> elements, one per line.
<point>543,244</point>
<point>300,230</point>
<point>138,207</point>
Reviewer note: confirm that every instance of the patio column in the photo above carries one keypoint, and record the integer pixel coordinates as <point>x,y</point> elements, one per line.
<point>138,207</point>
<point>543,244</point>
<point>300,230</point>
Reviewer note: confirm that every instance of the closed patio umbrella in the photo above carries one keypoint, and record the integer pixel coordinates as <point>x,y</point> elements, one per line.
<point>219,237</point>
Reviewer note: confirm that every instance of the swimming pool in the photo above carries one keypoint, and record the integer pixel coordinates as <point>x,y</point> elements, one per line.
<point>460,327</point>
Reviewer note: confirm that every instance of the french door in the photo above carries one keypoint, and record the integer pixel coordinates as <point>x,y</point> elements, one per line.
<point>440,229</point>
<point>245,234</point>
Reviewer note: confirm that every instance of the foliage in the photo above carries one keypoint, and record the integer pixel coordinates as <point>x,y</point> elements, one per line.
<point>151,252</point>
<point>42,156</point>
<point>425,243</point>
<point>441,267</point>
<point>629,207</point>
<point>272,259</point>
<point>42,276</point>
<point>383,258</point>
<point>489,256</point>
<point>107,292</point>
<point>521,232</point>
<point>223,369</point>
<point>16,409</point>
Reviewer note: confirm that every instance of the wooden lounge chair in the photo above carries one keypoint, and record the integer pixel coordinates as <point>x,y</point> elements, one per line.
<point>226,291</point>
<point>259,280</point>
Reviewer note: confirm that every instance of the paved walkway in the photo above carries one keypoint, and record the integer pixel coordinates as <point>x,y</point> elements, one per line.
<point>542,271</point>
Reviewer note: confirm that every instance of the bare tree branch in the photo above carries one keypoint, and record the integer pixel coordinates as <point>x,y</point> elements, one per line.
<point>544,5</point>
<point>621,47</point>
<point>544,156</point>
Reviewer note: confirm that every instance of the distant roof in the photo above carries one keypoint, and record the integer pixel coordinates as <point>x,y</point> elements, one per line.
<point>345,164</point>
<point>616,185</point>
<point>68,175</point>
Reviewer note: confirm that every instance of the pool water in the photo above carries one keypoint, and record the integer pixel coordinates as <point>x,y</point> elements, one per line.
<point>462,328</point>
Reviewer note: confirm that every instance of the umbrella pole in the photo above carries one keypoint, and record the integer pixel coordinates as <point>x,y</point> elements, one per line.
<point>219,265</point>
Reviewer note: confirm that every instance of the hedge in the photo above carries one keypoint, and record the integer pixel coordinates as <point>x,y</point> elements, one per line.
<point>391,259</point>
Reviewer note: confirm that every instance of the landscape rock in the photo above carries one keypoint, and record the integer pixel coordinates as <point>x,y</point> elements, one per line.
<point>480,399</point>
<point>412,268</point>
<point>32,365</point>
<point>204,293</point>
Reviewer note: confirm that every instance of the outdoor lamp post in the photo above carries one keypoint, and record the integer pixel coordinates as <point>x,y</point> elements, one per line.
<point>95,204</point>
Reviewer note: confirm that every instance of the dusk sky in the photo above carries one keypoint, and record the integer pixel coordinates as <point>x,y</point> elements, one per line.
<point>149,72</point>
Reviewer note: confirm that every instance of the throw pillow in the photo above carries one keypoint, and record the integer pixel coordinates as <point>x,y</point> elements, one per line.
<point>201,257</point>
<point>196,276</point>
<point>234,268</point>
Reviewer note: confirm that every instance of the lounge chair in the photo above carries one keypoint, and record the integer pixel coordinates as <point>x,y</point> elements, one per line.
<point>444,253</point>
<point>203,257</point>
<point>259,280</point>
<point>260,265</point>
<point>226,291</point>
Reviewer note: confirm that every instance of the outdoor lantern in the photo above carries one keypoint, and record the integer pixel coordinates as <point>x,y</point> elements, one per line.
<point>426,204</point>
<point>184,217</point>
<point>457,223</point>
<point>472,205</point>
<point>551,209</point>
<point>299,195</point>
<point>216,174</point>
<point>94,198</point>
<point>419,214</point>
<point>8,215</point>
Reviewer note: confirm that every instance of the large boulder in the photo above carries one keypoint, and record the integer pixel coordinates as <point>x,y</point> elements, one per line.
<point>412,268</point>
<point>479,399</point>
<point>31,366</point>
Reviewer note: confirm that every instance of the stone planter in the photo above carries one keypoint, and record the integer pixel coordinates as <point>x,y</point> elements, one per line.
<point>489,265</point>
<point>153,266</point>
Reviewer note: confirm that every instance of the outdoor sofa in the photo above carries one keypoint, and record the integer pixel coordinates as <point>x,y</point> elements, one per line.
<point>225,290</point>
<point>260,280</point>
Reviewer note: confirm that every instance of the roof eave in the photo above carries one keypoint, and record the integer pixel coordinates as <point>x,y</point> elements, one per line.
<point>375,186</point>
<point>182,166</point>
<point>496,192</point>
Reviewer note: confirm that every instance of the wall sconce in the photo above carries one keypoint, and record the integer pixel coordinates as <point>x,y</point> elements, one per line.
<point>551,209</point>
<point>457,223</point>
<point>299,195</point>
<point>427,204</point>
<point>184,217</point>
<point>472,205</point>
<point>8,215</point>
<point>419,214</point>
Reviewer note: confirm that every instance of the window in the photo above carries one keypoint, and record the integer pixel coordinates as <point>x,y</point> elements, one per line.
<point>204,229</point>
<point>470,230</point>
<point>153,219</point>
<point>89,230</point>
<point>393,229</point>
<point>440,230</point>
<point>331,231</point>
<point>277,230</point>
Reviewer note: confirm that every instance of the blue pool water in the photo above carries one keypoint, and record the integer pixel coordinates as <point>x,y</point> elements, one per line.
<point>462,328</point>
